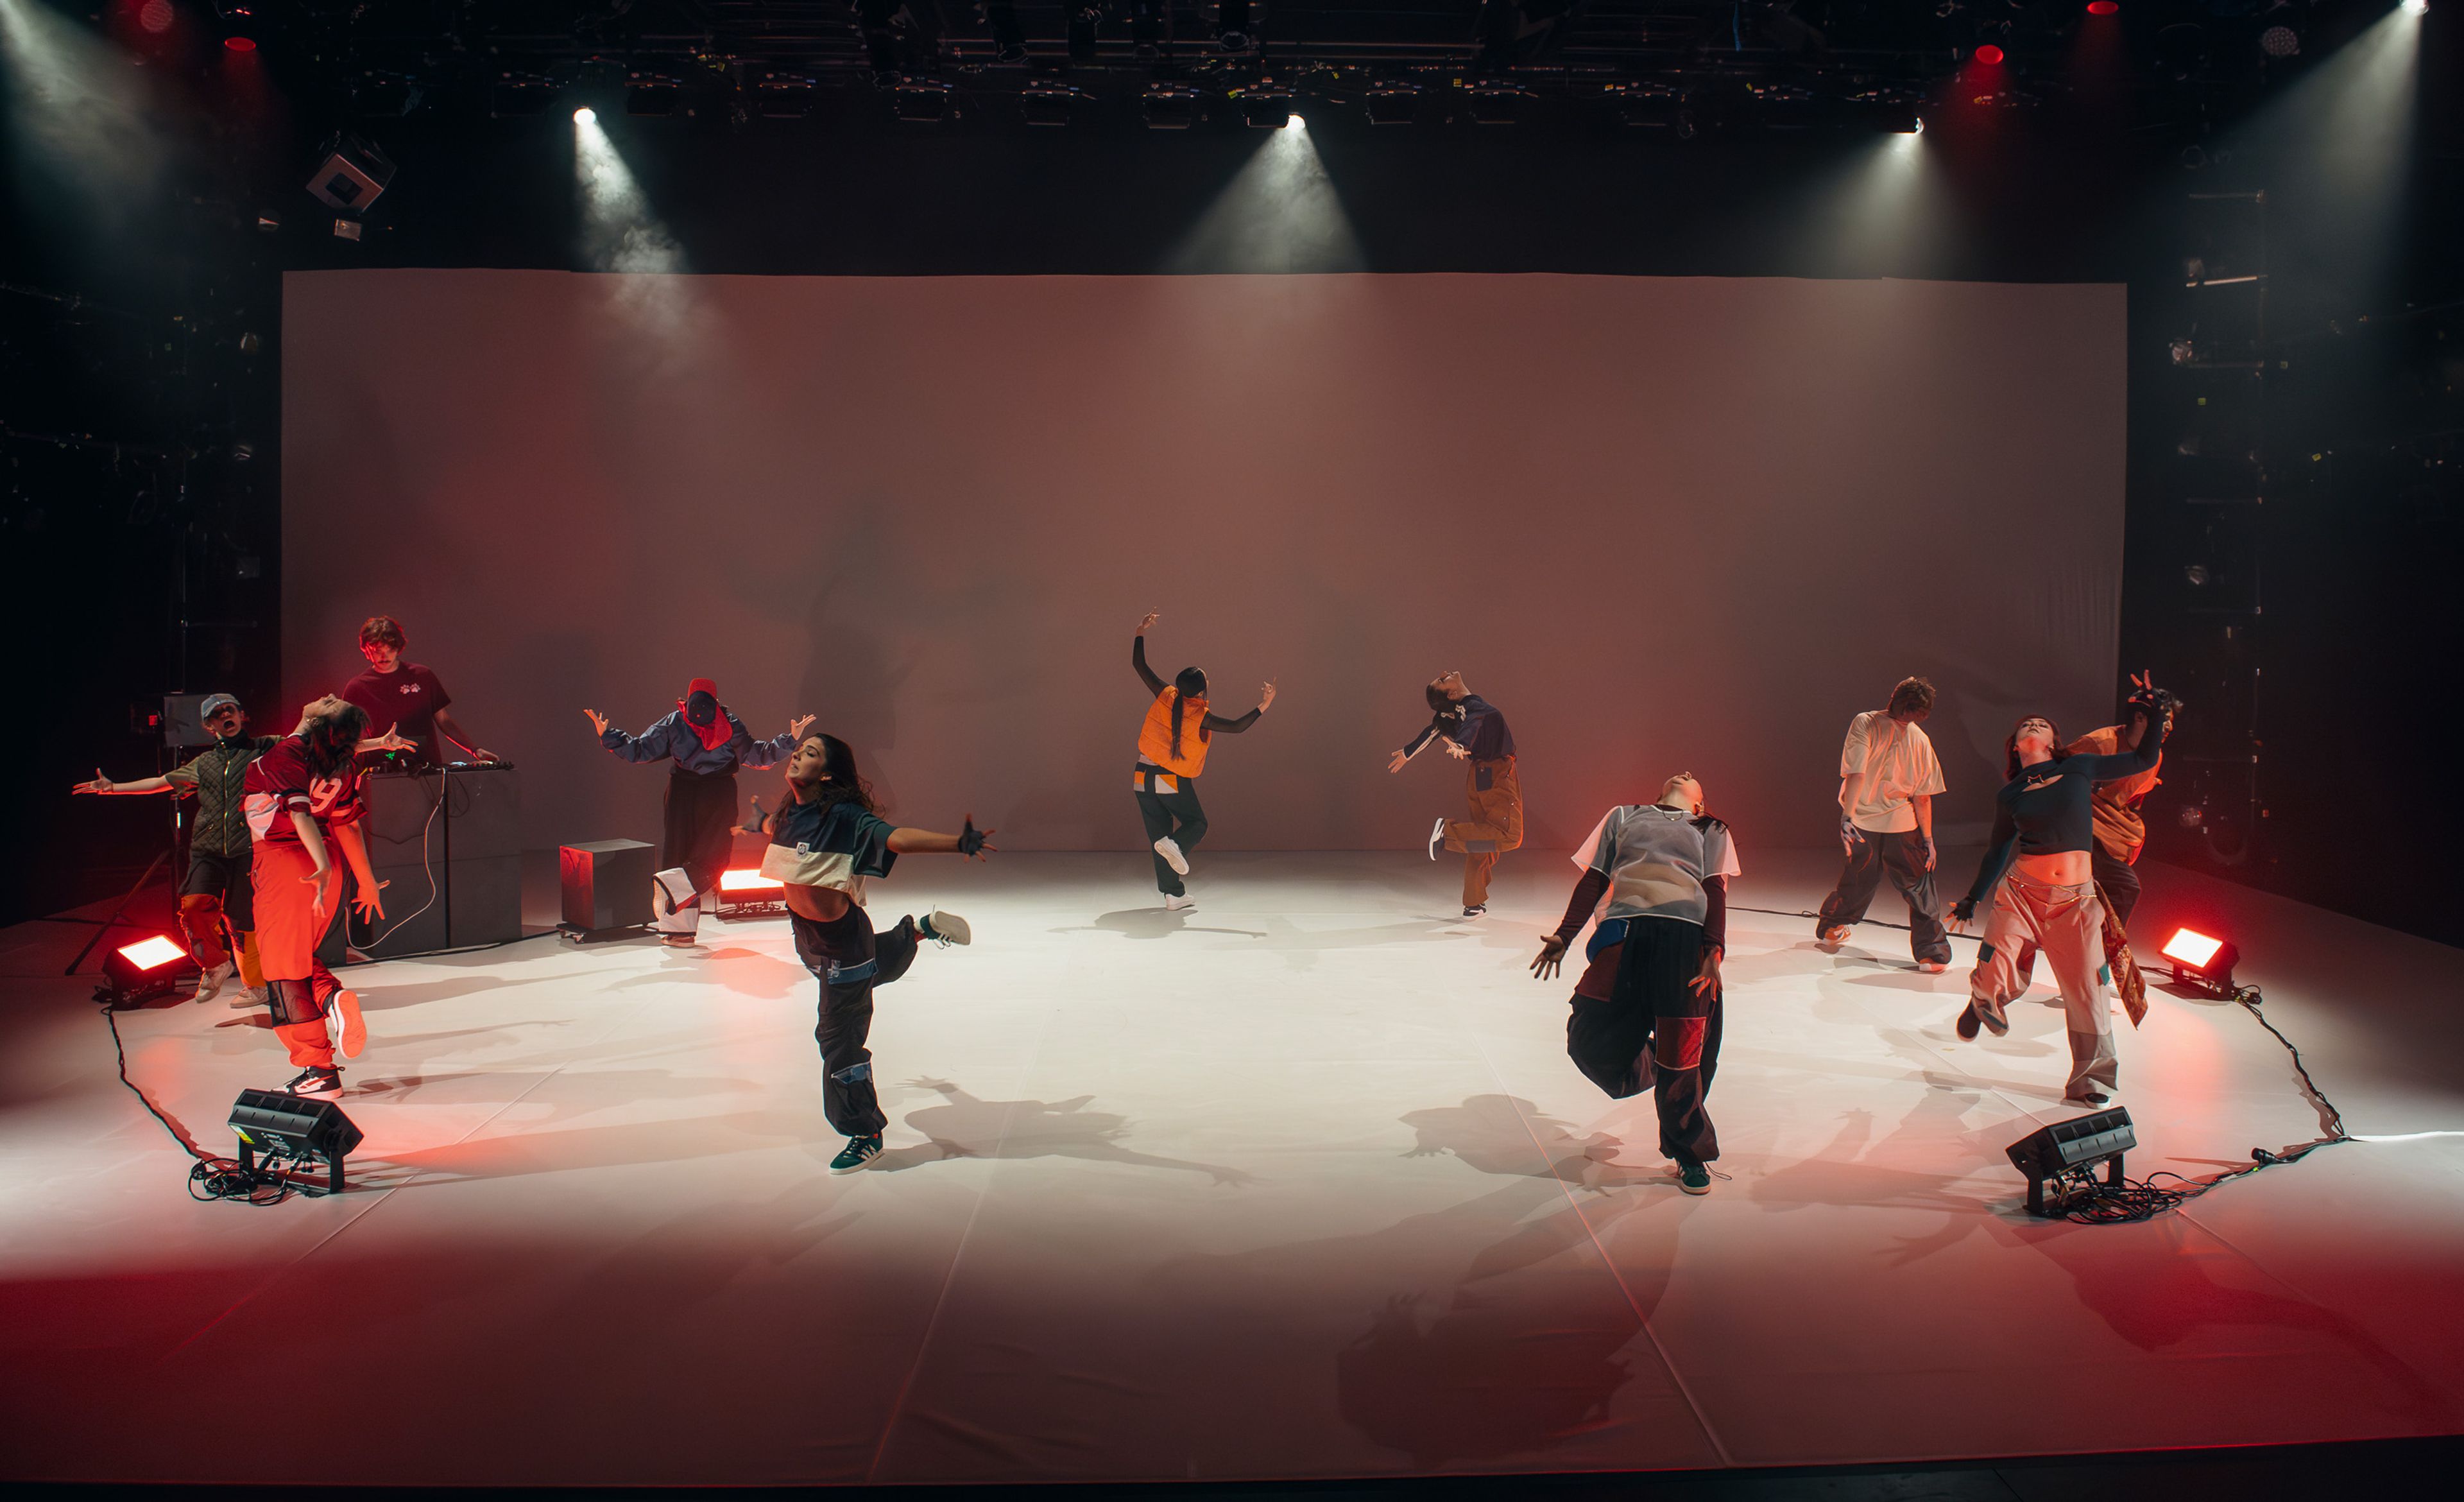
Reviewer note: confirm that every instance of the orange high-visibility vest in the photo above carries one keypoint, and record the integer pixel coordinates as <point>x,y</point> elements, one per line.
<point>1155,737</point>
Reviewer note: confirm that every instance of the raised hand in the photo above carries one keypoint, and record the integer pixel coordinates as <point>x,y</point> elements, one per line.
<point>1266,697</point>
<point>1552,954</point>
<point>1149,621</point>
<point>598,721</point>
<point>797,727</point>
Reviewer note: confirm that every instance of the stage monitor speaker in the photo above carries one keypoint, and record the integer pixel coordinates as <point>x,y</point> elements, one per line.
<point>607,885</point>
<point>284,1125</point>
<point>2072,1147</point>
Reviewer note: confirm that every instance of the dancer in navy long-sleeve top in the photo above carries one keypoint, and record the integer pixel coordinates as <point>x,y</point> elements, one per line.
<point>707,743</point>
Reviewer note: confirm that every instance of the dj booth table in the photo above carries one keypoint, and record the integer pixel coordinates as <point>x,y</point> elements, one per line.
<point>450,841</point>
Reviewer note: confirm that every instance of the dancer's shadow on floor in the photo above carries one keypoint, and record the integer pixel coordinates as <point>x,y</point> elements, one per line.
<point>1150,923</point>
<point>962,1126</point>
<point>1507,1134</point>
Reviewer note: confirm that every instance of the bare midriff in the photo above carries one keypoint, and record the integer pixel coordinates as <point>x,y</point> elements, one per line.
<point>2056,869</point>
<point>829,904</point>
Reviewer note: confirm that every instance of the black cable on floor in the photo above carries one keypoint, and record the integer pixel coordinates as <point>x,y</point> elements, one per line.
<point>210,1178</point>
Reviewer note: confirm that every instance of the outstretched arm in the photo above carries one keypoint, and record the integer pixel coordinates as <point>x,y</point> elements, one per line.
<point>650,745</point>
<point>1586,900</point>
<point>969,841</point>
<point>107,787</point>
<point>1232,727</point>
<point>1138,657</point>
<point>1419,743</point>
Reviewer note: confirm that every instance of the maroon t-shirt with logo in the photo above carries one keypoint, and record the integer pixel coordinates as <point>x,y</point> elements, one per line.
<point>280,781</point>
<point>405,700</point>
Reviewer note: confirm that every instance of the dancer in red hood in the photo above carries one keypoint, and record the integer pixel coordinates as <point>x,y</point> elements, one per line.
<point>707,743</point>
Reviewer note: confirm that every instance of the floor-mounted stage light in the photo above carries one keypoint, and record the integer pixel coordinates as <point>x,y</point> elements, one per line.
<point>155,966</point>
<point>295,1130</point>
<point>2065,1155</point>
<point>2202,961</point>
<point>744,891</point>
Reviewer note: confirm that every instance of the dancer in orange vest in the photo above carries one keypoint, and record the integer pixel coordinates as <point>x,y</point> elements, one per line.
<point>1172,751</point>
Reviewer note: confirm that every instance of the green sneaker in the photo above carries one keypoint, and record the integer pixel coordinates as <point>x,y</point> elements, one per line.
<point>1694,1178</point>
<point>859,1151</point>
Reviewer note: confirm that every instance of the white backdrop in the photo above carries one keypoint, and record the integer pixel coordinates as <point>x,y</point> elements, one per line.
<point>1662,524</point>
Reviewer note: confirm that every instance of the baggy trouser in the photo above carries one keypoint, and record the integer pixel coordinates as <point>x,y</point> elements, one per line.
<point>297,985</point>
<point>2067,924</point>
<point>219,895</point>
<point>849,960</point>
<point>1168,806</point>
<point>1495,793</point>
<point>1899,855</point>
<point>2129,984</point>
<point>698,837</point>
<point>1637,1024</point>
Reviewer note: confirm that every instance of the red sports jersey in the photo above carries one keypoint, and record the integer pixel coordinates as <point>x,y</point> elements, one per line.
<point>280,781</point>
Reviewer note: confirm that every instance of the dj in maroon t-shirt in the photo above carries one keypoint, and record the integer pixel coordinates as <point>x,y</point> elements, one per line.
<point>405,697</point>
<point>403,701</point>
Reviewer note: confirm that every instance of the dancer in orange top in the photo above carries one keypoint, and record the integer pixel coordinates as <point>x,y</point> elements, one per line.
<point>1172,751</point>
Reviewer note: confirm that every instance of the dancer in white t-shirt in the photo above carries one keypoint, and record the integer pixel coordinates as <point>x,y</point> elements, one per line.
<point>1888,777</point>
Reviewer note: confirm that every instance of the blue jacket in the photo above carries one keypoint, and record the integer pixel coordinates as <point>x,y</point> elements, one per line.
<point>673,738</point>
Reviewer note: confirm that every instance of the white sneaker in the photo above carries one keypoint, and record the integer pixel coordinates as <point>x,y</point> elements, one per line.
<point>1438,837</point>
<point>1931,967</point>
<point>946,928</point>
<point>344,1025</point>
<point>210,984</point>
<point>1169,849</point>
<point>1180,904</point>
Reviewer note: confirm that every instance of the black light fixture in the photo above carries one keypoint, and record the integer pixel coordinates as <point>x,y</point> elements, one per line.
<point>155,966</point>
<point>1169,106</point>
<point>649,94</point>
<point>923,101</point>
<point>1009,38</point>
<point>2202,961</point>
<point>1050,104</point>
<point>1232,26</point>
<point>1085,29</point>
<point>1394,103</point>
<point>1267,107</point>
<point>517,96</point>
<point>352,174</point>
<point>298,1130</point>
<point>1495,103</point>
<point>782,96</point>
<point>2065,1155</point>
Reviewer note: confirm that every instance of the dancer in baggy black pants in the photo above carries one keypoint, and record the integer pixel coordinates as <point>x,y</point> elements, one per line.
<point>1172,751</point>
<point>825,843</point>
<point>1647,1011</point>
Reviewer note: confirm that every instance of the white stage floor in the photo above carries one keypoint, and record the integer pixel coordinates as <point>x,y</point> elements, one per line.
<point>1300,1187</point>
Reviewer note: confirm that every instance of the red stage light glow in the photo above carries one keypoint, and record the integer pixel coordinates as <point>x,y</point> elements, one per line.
<point>745,880</point>
<point>239,44</point>
<point>2102,8</point>
<point>1988,54</point>
<point>156,16</point>
<point>2191,947</point>
<point>149,954</point>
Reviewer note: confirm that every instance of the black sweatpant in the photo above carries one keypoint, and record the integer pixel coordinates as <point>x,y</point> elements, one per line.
<point>700,811</point>
<point>1899,855</point>
<point>2118,880</point>
<point>849,960</point>
<point>1176,813</point>
<point>1654,1033</point>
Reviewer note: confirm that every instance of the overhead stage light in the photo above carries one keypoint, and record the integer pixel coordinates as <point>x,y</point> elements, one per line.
<point>2202,961</point>
<point>352,176</point>
<point>923,101</point>
<point>2279,41</point>
<point>1050,104</point>
<point>2416,7</point>
<point>779,97</point>
<point>1232,26</point>
<point>238,44</point>
<point>1394,105</point>
<point>650,95</point>
<point>584,116</point>
<point>1169,106</point>
<point>1267,108</point>
<point>152,966</point>
<point>2102,6</point>
<point>1988,54</point>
